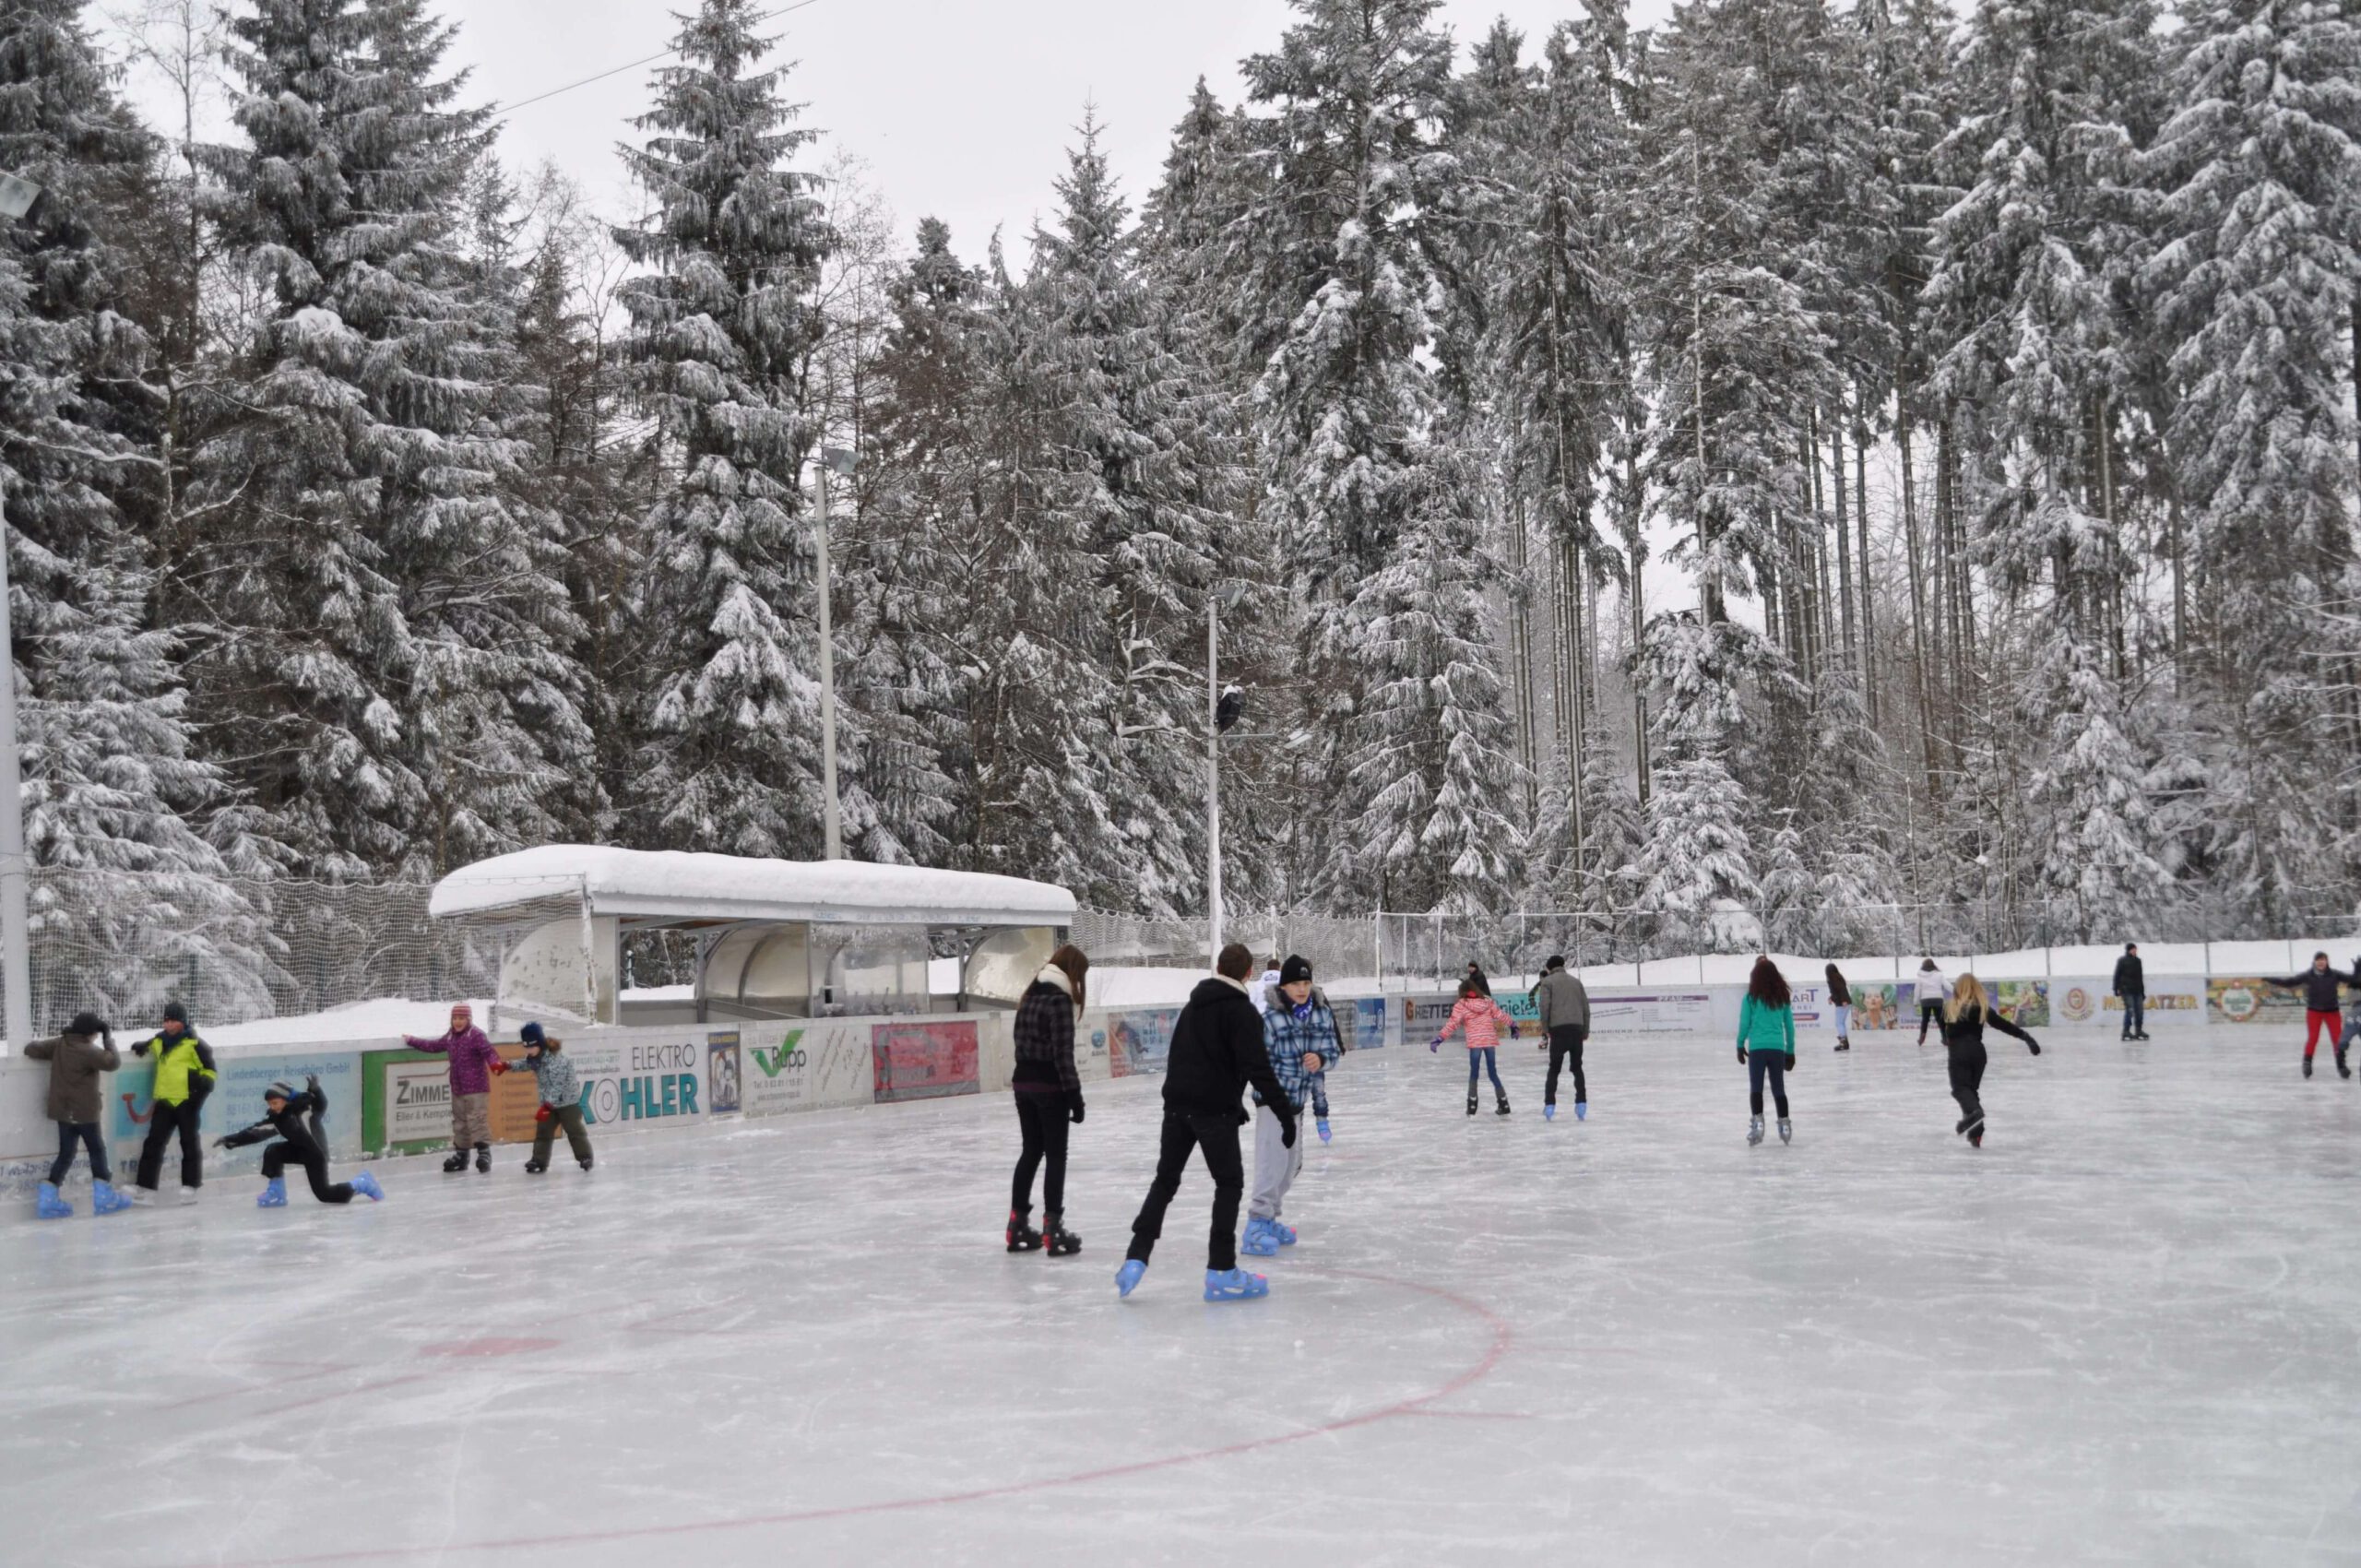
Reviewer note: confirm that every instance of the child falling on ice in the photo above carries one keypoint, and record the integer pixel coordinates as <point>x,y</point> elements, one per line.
<point>474,1064</point>
<point>295,1119</point>
<point>1964,1020</point>
<point>1766,1045</point>
<point>76,1058</point>
<point>1482,1017</point>
<point>560,1091</point>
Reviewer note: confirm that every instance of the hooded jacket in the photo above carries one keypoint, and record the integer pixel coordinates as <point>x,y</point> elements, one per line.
<point>75,1063</point>
<point>1289,1036</point>
<point>471,1055</point>
<point>1218,1050</point>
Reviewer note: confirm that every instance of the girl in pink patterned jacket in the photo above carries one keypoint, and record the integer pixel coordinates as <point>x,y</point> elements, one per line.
<point>1482,1018</point>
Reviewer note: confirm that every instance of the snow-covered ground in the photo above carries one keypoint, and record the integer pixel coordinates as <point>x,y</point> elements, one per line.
<point>2122,1332</point>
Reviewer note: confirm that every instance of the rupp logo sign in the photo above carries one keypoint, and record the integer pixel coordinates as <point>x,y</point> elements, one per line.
<point>776,1059</point>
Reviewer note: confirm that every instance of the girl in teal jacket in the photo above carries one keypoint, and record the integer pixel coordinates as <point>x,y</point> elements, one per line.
<point>1766,1045</point>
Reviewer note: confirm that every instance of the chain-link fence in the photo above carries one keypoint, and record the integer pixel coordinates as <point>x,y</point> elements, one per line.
<point>1340,947</point>
<point>123,944</point>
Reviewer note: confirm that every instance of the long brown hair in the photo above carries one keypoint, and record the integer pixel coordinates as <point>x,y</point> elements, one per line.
<point>1076,964</point>
<point>1766,984</point>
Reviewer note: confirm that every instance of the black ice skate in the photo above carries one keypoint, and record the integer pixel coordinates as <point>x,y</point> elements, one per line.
<point>1022,1237</point>
<point>1502,1109</point>
<point>2307,1066</point>
<point>533,1168</point>
<point>1471,1105</point>
<point>484,1158</point>
<point>1974,1131</point>
<point>459,1161</point>
<point>1060,1242</point>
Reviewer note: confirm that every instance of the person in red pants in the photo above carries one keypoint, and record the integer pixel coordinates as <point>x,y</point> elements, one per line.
<point>2322,1015</point>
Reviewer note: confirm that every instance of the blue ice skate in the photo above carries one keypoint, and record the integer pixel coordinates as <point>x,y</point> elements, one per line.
<point>1234,1285</point>
<point>1582,1111</point>
<point>366,1185</point>
<point>1260,1241</point>
<point>1127,1279</point>
<point>274,1196</point>
<point>1549,1112</point>
<point>49,1205</point>
<point>1322,1122</point>
<point>104,1199</point>
<point>1285,1233</point>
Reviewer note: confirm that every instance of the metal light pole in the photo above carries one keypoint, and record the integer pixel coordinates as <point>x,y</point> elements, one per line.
<point>832,822</point>
<point>17,198</point>
<point>1213,779</point>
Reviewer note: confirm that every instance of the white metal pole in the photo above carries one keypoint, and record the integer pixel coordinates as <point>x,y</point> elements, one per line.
<point>832,825</point>
<point>15,965</point>
<point>1212,774</point>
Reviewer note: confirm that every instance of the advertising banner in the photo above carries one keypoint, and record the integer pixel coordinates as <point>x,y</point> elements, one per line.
<point>1651,1011</point>
<point>924,1061</point>
<point>1885,1005</point>
<point>806,1067</point>
<point>722,1076</point>
<point>1424,1017</point>
<point>2251,1001</point>
<point>649,1076</point>
<point>236,1103</point>
<point>2023,1003</point>
<point>1363,1020</point>
<point>1137,1042</point>
<point>2179,1000</point>
<point>411,1109</point>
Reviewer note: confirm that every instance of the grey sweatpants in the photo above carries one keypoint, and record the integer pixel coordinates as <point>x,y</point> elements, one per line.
<point>1275,1165</point>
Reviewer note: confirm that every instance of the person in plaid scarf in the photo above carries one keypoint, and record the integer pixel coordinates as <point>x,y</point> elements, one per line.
<point>1300,1029</point>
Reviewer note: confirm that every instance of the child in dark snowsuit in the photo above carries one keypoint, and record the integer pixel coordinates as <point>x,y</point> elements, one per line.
<point>1964,1020</point>
<point>295,1121</point>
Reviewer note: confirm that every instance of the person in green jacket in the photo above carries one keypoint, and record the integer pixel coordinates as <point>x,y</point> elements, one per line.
<point>183,1077</point>
<point>1766,1045</point>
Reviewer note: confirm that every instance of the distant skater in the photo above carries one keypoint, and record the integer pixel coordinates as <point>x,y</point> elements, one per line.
<point>2132,989</point>
<point>2351,1016</point>
<point>295,1121</point>
<point>1934,993</point>
<point>1840,1002</point>
<point>1766,1045</point>
<point>1049,1100</point>
<point>1963,1022</point>
<point>1482,1018</point>
<point>1564,1007</point>
<point>2323,1014</point>
<point>1216,1050</point>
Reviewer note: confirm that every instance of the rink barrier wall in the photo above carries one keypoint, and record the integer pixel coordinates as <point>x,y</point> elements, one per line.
<point>385,1099</point>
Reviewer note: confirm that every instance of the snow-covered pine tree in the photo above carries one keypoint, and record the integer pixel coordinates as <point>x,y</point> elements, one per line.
<point>1130,438</point>
<point>2256,280</point>
<point>112,781</point>
<point>388,669</point>
<point>734,243</point>
<point>1695,868</point>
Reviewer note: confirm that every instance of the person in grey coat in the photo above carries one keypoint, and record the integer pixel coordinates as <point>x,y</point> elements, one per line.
<point>76,1058</point>
<point>1565,1025</point>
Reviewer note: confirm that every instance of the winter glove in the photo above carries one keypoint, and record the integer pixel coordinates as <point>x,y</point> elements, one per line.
<point>1512,1031</point>
<point>1742,1056</point>
<point>2033,1045</point>
<point>1435,1044</point>
<point>1074,1112</point>
<point>1790,1064</point>
<point>499,1068</point>
<point>1287,1133</point>
<point>544,1113</point>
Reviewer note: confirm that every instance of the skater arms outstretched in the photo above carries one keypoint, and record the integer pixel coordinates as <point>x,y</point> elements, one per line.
<point>295,1119</point>
<point>1766,1044</point>
<point>474,1064</point>
<point>1963,1022</point>
<point>2321,1016</point>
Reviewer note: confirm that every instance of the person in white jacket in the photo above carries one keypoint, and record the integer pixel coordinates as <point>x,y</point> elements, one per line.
<point>1934,994</point>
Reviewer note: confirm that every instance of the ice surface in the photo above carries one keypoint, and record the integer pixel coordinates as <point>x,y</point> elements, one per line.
<point>2123,1332</point>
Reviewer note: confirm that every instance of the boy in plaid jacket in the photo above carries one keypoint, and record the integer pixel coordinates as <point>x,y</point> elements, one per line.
<point>1300,1031</point>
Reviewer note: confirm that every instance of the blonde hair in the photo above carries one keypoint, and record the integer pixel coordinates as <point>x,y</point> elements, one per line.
<point>1967,992</point>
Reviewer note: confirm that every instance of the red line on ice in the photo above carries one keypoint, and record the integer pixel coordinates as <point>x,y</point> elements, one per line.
<point>1415,1405</point>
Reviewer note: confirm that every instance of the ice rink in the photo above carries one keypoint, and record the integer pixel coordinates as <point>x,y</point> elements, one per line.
<point>2124,1332</point>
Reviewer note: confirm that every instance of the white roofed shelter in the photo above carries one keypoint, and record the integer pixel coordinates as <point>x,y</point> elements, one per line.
<point>774,939</point>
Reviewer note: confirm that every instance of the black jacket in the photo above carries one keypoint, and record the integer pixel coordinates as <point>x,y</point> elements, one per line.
<point>2319,987</point>
<point>1218,1050</point>
<point>288,1123</point>
<point>1967,1029</point>
<point>2130,976</point>
<point>1839,994</point>
<point>1044,1034</point>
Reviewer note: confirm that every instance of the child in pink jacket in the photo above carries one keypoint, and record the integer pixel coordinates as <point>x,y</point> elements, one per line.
<point>1483,1019</point>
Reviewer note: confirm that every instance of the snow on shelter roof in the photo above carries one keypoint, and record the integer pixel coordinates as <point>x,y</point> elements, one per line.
<point>669,885</point>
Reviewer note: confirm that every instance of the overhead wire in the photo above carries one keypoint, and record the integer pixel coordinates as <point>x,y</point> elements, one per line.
<point>507,110</point>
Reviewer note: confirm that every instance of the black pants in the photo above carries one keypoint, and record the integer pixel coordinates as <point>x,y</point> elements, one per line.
<point>1929,1012</point>
<point>86,1133</point>
<point>1772,1064</point>
<point>1565,1045</point>
<point>274,1165</point>
<point>1218,1135</point>
<point>1042,1119</point>
<point>2135,1014</point>
<point>163,1121</point>
<point>1967,1083</point>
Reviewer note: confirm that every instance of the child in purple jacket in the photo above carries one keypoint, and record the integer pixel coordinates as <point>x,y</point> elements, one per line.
<point>473,1064</point>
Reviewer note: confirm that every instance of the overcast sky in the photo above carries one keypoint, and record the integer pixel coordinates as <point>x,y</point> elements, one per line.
<point>961,109</point>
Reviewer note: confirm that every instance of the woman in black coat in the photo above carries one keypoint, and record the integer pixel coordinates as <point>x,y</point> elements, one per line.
<point>1048,1099</point>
